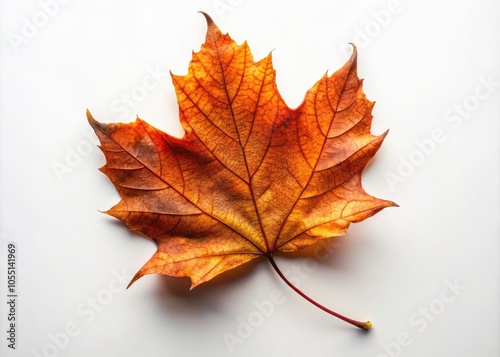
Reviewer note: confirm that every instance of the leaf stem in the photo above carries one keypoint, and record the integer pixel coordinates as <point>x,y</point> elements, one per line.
<point>362,325</point>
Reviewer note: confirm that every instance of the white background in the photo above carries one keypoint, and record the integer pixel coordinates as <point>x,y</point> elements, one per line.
<point>421,60</point>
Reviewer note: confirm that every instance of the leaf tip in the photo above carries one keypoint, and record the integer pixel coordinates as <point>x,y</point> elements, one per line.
<point>354,49</point>
<point>134,279</point>
<point>90,118</point>
<point>354,57</point>
<point>390,204</point>
<point>210,22</point>
<point>93,123</point>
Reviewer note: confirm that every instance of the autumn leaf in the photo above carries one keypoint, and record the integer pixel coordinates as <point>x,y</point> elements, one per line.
<point>250,177</point>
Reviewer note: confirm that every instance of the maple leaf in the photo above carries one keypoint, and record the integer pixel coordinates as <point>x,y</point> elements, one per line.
<point>251,177</point>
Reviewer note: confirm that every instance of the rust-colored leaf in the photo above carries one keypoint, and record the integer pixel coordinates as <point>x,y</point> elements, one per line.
<point>251,176</point>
